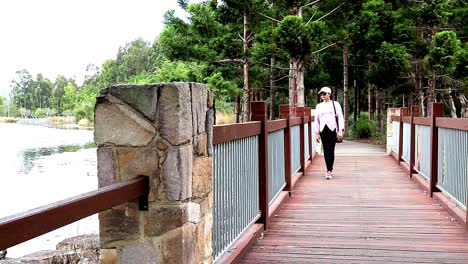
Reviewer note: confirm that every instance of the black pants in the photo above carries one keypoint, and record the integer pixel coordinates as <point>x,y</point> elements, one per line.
<point>328,144</point>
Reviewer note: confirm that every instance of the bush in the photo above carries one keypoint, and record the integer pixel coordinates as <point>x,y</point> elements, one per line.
<point>363,128</point>
<point>40,113</point>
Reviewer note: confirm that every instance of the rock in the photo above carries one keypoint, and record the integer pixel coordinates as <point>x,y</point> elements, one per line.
<point>143,98</point>
<point>140,253</point>
<point>177,174</point>
<point>162,219</point>
<point>118,124</point>
<point>174,113</point>
<point>82,249</point>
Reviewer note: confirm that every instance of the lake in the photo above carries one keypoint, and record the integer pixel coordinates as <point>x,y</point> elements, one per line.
<point>39,166</point>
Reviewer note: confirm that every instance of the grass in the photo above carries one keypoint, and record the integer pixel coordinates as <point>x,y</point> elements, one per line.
<point>224,118</point>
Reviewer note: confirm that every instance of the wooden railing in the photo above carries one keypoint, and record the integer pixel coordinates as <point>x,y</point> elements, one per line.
<point>245,189</point>
<point>21,227</point>
<point>434,151</point>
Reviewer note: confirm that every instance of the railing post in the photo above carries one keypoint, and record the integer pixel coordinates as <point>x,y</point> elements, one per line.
<point>403,112</point>
<point>415,110</point>
<point>285,113</point>
<point>437,110</point>
<point>300,113</point>
<point>309,126</point>
<point>163,131</point>
<point>259,113</point>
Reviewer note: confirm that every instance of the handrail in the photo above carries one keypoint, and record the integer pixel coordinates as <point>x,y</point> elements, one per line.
<point>230,132</point>
<point>453,123</point>
<point>21,227</point>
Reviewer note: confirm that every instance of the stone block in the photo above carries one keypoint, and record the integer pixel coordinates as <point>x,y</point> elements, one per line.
<point>119,224</point>
<point>200,145</point>
<point>206,204</point>
<point>143,98</point>
<point>118,124</point>
<point>208,235</point>
<point>209,130</point>
<point>140,253</point>
<point>164,218</point>
<point>105,167</point>
<point>137,161</point>
<point>178,246</point>
<point>108,256</point>
<point>199,107</point>
<point>177,174</point>
<point>210,102</point>
<point>175,113</point>
<point>202,174</point>
<point>194,212</point>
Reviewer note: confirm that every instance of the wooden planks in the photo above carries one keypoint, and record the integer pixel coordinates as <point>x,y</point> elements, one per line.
<point>369,213</point>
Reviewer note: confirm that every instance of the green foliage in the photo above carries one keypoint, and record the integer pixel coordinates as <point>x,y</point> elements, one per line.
<point>222,88</point>
<point>391,60</point>
<point>40,113</point>
<point>363,128</point>
<point>461,63</point>
<point>441,55</point>
<point>292,36</point>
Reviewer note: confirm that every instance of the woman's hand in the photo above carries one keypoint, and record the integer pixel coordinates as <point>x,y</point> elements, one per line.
<point>317,137</point>
<point>340,135</point>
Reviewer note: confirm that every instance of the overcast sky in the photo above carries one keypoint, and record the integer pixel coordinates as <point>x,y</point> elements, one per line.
<point>62,37</point>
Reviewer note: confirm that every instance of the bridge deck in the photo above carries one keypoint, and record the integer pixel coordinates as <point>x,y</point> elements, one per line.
<point>369,213</point>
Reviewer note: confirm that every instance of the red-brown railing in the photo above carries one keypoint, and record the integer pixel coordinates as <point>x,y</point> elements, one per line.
<point>21,227</point>
<point>243,205</point>
<point>445,175</point>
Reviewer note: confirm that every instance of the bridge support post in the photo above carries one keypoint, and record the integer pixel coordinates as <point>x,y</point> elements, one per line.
<point>437,110</point>
<point>162,131</point>
<point>403,112</point>
<point>300,113</point>
<point>285,113</point>
<point>415,111</point>
<point>259,113</point>
<point>309,127</point>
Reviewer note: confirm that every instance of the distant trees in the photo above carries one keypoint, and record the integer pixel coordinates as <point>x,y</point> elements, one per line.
<point>373,53</point>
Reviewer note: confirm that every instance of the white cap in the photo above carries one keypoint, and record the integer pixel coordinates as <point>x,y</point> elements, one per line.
<point>325,89</point>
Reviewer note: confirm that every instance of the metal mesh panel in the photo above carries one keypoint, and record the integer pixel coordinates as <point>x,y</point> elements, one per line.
<point>396,136</point>
<point>295,150</point>
<point>276,179</point>
<point>452,163</point>
<point>235,191</point>
<point>422,148</point>
<point>406,142</point>
<point>306,141</point>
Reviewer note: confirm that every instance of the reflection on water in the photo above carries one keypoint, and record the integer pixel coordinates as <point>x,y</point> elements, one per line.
<point>28,156</point>
<point>40,166</point>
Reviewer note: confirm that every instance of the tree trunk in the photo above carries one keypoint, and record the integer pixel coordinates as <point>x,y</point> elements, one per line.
<point>345,86</point>
<point>464,105</point>
<point>431,92</point>
<point>246,90</point>
<point>419,86</point>
<point>272,89</point>
<point>379,105</point>
<point>370,96</point>
<point>453,108</point>
<point>237,109</point>
<point>296,83</point>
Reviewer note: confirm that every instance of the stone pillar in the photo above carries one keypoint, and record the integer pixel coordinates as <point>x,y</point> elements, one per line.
<point>164,132</point>
<point>391,112</point>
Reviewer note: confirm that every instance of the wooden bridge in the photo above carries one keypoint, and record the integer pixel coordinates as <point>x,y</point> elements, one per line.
<point>408,206</point>
<point>271,204</point>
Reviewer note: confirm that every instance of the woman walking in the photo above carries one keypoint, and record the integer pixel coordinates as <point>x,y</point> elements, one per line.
<point>329,127</point>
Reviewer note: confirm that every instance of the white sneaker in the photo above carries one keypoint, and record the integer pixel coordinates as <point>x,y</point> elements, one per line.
<point>329,175</point>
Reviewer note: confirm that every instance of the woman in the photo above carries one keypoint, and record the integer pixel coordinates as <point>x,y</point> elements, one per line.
<point>327,128</point>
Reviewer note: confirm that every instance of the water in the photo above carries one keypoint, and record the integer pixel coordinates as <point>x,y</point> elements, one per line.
<point>39,166</point>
